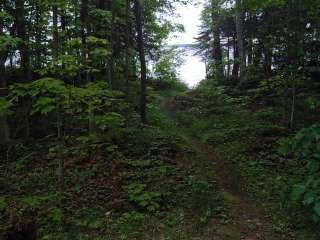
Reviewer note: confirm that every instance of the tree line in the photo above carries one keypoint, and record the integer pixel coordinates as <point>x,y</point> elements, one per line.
<point>78,42</point>
<point>75,72</point>
<point>263,44</point>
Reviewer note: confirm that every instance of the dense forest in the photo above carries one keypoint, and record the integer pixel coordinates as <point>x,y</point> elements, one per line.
<point>100,139</point>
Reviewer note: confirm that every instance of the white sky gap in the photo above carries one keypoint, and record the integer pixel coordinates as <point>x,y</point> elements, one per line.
<point>193,70</point>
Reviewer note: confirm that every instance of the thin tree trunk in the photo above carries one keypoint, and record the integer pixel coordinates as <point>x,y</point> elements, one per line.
<point>143,97</point>
<point>217,52</point>
<point>267,61</point>
<point>293,104</point>
<point>235,69</point>
<point>60,170</point>
<point>22,34</point>
<point>55,32</point>
<point>84,16</point>
<point>128,49</point>
<point>240,40</point>
<point>228,58</point>
<point>111,58</point>
<point>4,126</point>
<point>250,52</point>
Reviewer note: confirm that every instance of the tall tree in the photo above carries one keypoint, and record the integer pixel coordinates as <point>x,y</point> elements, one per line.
<point>21,27</point>
<point>240,39</point>
<point>217,51</point>
<point>4,126</point>
<point>143,65</point>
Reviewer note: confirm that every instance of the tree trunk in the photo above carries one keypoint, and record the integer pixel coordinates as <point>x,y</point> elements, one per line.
<point>143,97</point>
<point>235,69</point>
<point>240,40</point>
<point>85,22</point>
<point>55,32</point>
<point>111,58</point>
<point>4,126</point>
<point>267,61</point>
<point>217,52</point>
<point>60,170</point>
<point>250,51</point>
<point>128,49</point>
<point>22,34</point>
<point>228,58</point>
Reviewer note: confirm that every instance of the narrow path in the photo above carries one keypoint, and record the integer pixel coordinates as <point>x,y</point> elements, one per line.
<point>248,220</point>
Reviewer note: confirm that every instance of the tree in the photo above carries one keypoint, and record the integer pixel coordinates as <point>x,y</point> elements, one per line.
<point>217,52</point>
<point>240,40</point>
<point>143,65</point>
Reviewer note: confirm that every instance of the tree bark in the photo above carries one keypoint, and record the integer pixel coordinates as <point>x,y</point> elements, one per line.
<point>60,170</point>
<point>235,69</point>
<point>111,38</point>
<point>128,49</point>
<point>250,51</point>
<point>217,52</point>
<point>240,40</point>
<point>86,29</point>
<point>22,34</point>
<point>143,97</point>
<point>55,32</point>
<point>228,58</point>
<point>4,126</point>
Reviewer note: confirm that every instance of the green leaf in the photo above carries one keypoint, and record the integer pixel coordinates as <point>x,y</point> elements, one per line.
<point>4,106</point>
<point>317,209</point>
<point>309,198</point>
<point>55,214</point>
<point>3,203</point>
<point>297,192</point>
<point>31,202</point>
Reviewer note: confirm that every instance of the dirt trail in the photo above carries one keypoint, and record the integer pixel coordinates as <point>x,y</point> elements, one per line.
<point>248,220</point>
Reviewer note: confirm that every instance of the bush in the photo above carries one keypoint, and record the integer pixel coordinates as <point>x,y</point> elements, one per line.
<point>305,146</point>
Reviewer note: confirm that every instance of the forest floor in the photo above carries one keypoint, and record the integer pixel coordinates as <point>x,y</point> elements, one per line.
<point>205,168</point>
<point>250,215</point>
<point>247,220</point>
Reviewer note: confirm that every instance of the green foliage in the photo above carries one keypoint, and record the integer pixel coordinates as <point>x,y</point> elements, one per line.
<point>138,194</point>
<point>128,222</point>
<point>3,204</point>
<point>8,42</point>
<point>101,15</point>
<point>4,107</point>
<point>211,92</point>
<point>45,87</point>
<point>55,214</point>
<point>46,95</point>
<point>256,5</point>
<point>166,67</point>
<point>63,66</point>
<point>201,198</point>
<point>312,103</point>
<point>305,146</point>
<point>31,202</point>
<point>110,121</point>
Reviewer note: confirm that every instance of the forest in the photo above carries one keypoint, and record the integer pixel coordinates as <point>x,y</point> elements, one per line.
<point>100,139</point>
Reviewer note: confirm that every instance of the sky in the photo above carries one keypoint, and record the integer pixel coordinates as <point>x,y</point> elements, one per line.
<point>193,70</point>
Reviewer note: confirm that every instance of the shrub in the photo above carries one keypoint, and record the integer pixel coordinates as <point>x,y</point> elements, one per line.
<point>305,146</point>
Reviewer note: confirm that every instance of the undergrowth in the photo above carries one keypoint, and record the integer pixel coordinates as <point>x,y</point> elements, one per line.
<point>137,186</point>
<point>247,138</point>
